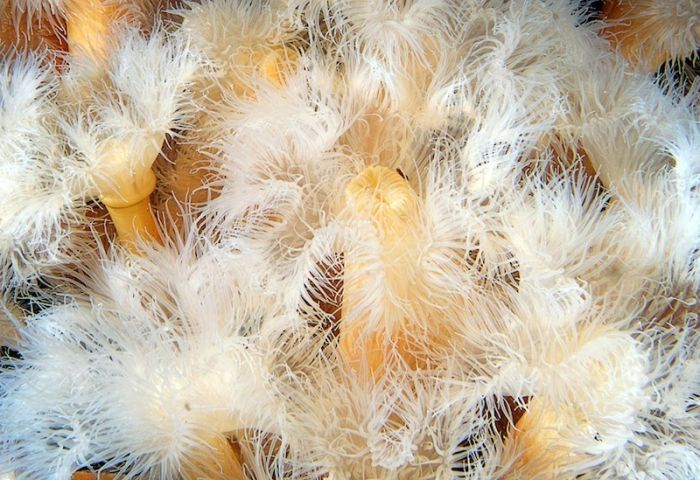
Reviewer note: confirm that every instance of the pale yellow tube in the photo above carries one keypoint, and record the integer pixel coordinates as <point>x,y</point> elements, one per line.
<point>277,64</point>
<point>134,222</point>
<point>88,25</point>
<point>124,188</point>
<point>386,199</point>
<point>540,440</point>
<point>127,199</point>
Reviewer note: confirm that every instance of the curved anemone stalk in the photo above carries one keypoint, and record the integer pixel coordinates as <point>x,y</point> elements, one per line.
<point>124,183</point>
<point>538,435</point>
<point>126,194</point>
<point>91,25</point>
<point>585,417</point>
<point>153,80</point>
<point>386,200</point>
<point>88,26</point>
<point>276,64</point>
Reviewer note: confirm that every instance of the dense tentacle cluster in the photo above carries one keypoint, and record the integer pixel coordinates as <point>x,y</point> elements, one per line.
<point>416,239</point>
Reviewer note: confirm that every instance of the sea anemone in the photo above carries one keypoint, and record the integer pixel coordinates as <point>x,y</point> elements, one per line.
<point>346,240</point>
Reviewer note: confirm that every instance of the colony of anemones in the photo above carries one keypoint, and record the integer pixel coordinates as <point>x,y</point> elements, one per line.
<point>342,240</point>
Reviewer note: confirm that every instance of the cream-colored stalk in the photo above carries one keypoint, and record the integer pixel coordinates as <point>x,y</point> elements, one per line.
<point>125,188</point>
<point>276,64</point>
<point>585,414</point>
<point>544,451</point>
<point>124,183</point>
<point>89,24</point>
<point>386,200</point>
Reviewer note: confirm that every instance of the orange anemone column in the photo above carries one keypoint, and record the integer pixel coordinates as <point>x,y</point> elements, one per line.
<point>385,199</point>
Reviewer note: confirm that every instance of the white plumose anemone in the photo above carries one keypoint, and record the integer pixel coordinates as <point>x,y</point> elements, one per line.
<point>147,372</point>
<point>429,239</point>
<point>40,182</point>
